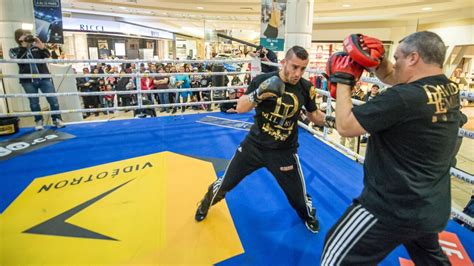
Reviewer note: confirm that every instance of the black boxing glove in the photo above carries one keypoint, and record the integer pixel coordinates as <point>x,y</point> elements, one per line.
<point>270,88</point>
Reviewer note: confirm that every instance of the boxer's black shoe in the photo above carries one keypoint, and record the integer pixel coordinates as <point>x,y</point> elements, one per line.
<point>202,209</point>
<point>201,212</point>
<point>209,198</point>
<point>312,225</point>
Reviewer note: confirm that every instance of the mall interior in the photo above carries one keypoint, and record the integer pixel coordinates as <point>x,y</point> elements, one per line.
<point>115,46</point>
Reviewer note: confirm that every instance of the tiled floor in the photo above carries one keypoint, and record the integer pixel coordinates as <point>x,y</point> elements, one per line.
<point>461,191</point>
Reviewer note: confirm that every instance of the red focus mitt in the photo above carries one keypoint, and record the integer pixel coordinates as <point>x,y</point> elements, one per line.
<point>366,51</point>
<point>341,68</point>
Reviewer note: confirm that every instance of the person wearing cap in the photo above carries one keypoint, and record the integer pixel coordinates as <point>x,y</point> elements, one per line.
<point>230,107</point>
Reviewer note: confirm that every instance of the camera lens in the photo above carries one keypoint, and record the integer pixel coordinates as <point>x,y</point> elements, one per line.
<point>29,38</point>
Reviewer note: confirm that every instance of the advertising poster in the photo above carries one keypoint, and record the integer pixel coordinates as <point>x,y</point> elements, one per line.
<point>48,20</point>
<point>104,51</point>
<point>273,20</point>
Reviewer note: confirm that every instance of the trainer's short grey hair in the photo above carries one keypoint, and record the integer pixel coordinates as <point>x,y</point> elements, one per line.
<point>427,44</point>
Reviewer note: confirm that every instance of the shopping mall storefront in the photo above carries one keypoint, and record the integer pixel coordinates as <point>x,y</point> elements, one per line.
<point>101,39</point>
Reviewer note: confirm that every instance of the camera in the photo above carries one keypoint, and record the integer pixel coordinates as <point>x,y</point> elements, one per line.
<point>30,38</point>
<point>261,53</point>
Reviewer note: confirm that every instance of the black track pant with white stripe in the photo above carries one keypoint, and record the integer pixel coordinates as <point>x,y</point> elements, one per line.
<point>283,164</point>
<point>358,238</point>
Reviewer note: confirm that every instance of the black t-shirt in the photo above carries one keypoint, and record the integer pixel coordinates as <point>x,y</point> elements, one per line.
<point>226,106</point>
<point>276,121</point>
<point>413,131</point>
<point>274,59</point>
<point>205,82</point>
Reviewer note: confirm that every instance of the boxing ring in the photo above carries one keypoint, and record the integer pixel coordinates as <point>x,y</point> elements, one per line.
<point>125,192</point>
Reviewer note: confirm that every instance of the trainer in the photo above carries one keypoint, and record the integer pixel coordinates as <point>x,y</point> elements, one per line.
<point>413,129</point>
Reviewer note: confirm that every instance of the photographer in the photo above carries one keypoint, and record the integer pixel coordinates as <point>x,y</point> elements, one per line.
<point>30,47</point>
<point>266,56</point>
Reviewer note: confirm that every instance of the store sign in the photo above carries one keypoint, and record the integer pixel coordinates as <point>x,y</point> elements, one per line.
<point>78,24</point>
<point>91,27</point>
<point>143,31</point>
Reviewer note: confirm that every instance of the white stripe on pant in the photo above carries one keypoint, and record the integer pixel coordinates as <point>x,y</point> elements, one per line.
<point>346,235</point>
<point>218,184</point>
<point>309,204</point>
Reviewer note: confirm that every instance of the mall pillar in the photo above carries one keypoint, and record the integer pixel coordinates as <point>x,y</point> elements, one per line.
<point>13,15</point>
<point>299,23</point>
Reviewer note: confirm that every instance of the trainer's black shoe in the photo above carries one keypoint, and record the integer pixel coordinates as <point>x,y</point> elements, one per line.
<point>202,210</point>
<point>312,225</point>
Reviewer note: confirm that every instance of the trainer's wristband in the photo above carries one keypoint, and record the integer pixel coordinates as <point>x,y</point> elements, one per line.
<point>330,121</point>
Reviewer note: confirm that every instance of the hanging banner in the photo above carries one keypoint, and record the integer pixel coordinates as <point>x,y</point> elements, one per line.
<point>272,32</point>
<point>48,20</point>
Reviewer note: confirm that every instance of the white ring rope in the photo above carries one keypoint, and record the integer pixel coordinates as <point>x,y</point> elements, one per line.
<point>130,75</point>
<point>469,95</point>
<point>120,61</point>
<point>466,133</point>
<point>462,132</point>
<point>462,216</point>
<point>105,109</point>
<point>461,175</point>
<point>326,93</point>
<point>464,94</point>
<point>339,146</point>
<point>98,93</point>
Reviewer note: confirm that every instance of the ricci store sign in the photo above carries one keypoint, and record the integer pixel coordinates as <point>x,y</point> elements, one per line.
<point>87,25</point>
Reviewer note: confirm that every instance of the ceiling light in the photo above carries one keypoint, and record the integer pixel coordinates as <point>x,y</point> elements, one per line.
<point>122,7</point>
<point>346,5</point>
<point>426,8</point>
<point>200,7</point>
